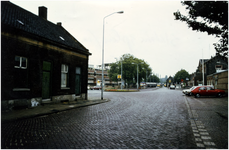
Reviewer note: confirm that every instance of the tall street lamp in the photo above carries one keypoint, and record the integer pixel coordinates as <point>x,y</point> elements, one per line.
<point>121,74</point>
<point>119,12</point>
<point>146,76</point>
<point>137,73</point>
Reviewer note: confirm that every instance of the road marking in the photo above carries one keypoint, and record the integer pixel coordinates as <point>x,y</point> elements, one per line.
<point>202,138</point>
<point>206,137</point>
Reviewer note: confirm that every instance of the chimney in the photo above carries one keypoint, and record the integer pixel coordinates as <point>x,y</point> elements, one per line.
<point>59,23</point>
<point>43,12</point>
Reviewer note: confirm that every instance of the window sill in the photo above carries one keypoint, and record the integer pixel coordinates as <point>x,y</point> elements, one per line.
<point>65,88</point>
<point>21,89</point>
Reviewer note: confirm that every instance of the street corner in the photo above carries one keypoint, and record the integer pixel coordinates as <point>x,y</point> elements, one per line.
<point>98,100</point>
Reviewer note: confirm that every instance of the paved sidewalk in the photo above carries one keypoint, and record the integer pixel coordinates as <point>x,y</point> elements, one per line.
<point>48,108</point>
<point>209,121</point>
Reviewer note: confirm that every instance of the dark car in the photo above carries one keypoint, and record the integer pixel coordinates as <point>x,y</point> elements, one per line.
<point>207,91</point>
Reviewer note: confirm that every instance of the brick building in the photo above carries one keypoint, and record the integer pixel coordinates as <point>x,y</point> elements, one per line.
<point>198,76</point>
<point>41,61</point>
<point>211,66</point>
<point>219,80</point>
<point>95,76</point>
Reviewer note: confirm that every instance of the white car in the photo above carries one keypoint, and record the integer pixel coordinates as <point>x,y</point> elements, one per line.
<point>189,91</point>
<point>172,87</point>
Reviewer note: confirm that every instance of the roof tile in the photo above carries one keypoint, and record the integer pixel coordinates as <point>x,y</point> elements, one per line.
<point>19,18</point>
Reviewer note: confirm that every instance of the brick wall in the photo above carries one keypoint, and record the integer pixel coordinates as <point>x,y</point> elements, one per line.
<point>223,81</point>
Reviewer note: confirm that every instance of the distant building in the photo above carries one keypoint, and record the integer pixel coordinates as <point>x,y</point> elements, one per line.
<point>40,61</point>
<point>95,76</point>
<point>198,74</point>
<point>191,80</point>
<point>169,81</point>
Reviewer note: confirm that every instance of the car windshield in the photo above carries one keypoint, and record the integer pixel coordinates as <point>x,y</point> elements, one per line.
<point>193,87</point>
<point>210,88</point>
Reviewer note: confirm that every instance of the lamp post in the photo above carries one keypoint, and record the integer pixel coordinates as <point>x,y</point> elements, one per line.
<point>121,75</point>
<point>153,76</point>
<point>137,74</point>
<point>146,79</point>
<point>119,12</point>
<point>203,71</point>
<point>146,76</point>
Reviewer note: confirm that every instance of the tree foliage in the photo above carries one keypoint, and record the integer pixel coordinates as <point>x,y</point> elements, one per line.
<point>129,69</point>
<point>182,74</point>
<point>153,78</point>
<point>210,17</point>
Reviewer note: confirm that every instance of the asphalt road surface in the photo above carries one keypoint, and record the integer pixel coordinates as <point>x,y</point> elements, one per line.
<point>149,119</point>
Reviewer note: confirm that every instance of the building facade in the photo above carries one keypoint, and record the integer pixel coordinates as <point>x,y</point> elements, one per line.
<point>219,80</point>
<point>170,81</point>
<point>198,76</point>
<point>211,66</point>
<point>95,76</point>
<point>41,61</point>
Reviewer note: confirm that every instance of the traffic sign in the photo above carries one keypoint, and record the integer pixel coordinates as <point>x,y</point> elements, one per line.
<point>119,76</point>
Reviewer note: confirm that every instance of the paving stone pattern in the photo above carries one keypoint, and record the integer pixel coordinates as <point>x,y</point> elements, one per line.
<point>137,120</point>
<point>210,129</point>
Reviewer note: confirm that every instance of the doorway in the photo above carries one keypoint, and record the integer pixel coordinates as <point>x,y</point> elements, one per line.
<point>46,80</point>
<point>78,81</point>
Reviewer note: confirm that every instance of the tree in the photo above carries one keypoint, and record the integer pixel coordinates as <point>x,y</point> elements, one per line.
<point>210,17</point>
<point>113,72</point>
<point>129,69</point>
<point>182,74</point>
<point>154,78</point>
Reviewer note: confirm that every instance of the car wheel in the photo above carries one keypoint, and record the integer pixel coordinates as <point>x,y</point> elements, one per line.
<point>197,95</point>
<point>219,95</point>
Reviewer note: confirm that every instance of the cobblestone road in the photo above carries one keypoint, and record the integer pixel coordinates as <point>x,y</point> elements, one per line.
<point>149,119</point>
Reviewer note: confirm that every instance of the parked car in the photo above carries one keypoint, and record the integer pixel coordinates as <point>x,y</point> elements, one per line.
<point>189,91</point>
<point>96,88</point>
<point>172,87</point>
<point>207,91</point>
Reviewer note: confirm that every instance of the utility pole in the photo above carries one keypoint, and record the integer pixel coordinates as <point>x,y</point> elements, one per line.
<point>202,67</point>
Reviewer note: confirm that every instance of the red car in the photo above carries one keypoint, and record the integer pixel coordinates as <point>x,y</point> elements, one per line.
<point>207,91</point>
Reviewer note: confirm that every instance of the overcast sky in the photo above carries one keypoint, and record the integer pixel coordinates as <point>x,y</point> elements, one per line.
<point>146,29</point>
